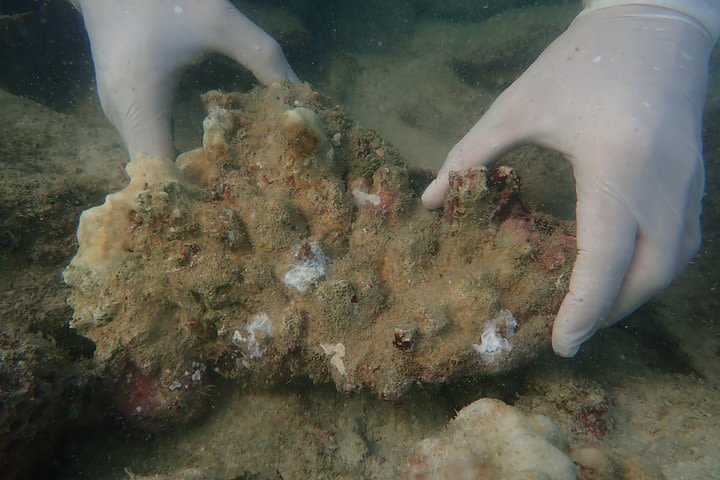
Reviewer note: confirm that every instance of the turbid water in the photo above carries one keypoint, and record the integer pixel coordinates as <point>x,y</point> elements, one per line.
<point>644,395</point>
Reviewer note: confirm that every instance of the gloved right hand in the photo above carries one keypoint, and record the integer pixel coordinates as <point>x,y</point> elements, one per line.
<point>621,93</point>
<point>139,46</point>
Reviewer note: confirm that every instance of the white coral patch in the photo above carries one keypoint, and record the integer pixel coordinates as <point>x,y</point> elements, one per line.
<point>308,269</point>
<point>360,198</point>
<point>337,354</point>
<point>259,327</point>
<point>492,341</point>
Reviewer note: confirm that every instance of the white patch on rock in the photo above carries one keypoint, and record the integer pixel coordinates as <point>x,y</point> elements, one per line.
<point>492,341</point>
<point>336,353</point>
<point>259,327</point>
<point>336,139</point>
<point>199,368</point>
<point>217,127</point>
<point>360,198</point>
<point>308,269</point>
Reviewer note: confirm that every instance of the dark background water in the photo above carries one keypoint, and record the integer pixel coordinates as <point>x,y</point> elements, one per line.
<point>45,53</point>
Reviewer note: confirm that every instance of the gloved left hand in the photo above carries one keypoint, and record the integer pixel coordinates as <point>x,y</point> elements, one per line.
<point>138,48</point>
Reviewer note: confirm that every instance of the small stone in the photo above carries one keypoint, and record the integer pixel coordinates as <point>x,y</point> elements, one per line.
<point>403,339</point>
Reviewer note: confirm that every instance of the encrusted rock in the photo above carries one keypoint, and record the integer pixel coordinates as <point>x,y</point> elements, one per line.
<point>334,249</point>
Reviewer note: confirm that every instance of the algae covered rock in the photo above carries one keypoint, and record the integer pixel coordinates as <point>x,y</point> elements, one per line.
<point>293,245</point>
<point>40,390</point>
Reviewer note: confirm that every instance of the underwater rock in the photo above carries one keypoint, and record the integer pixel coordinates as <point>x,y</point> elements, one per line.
<point>579,406</point>
<point>40,389</point>
<point>355,282</point>
<point>51,171</point>
<point>489,439</point>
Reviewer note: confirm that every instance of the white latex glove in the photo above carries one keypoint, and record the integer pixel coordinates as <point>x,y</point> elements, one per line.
<point>139,46</point>
<point>621,93</point>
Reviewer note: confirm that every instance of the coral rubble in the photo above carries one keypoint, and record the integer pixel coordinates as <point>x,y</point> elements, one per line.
<point>489,439</point>
<point>291,245</point>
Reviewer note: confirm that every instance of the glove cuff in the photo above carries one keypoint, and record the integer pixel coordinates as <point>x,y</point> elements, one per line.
<point>704,14</point>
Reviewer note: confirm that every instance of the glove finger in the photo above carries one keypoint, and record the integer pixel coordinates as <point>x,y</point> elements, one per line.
<point>650,271</point>
<point>137,101</point>
<point>656,263</point>
<point>501,128</point>
<point>606,233</point>
<point>247,44</point>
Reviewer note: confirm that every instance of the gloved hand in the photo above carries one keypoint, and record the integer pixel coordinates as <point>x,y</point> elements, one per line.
<point>621,93</point>
<point>139,46</point>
